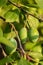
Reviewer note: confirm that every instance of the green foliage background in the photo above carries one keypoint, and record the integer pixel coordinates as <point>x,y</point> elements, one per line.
<point>21,32</point>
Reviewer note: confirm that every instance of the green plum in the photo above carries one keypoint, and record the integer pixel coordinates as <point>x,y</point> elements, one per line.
<point>23,34</point>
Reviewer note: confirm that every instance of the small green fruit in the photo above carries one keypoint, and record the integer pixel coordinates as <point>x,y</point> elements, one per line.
<point>23,34</point>
<point>33,35</point>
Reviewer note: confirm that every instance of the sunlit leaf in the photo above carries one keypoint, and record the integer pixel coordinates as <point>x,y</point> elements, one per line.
<point>40,3</point>
<point>1,32</point>
<point>10,35</point>
<point>12,16</point>
<point>10,43</point>
<point>35,55</point>
<point>24,62</point>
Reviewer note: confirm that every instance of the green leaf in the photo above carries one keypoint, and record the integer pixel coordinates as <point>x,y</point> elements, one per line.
<point>40,3</point>
<point>29,45</point>
<point>15,1</point>
<point>37,49</point>
<point>12,16</point>
<point>10,43</point>
<point>10,35</point>
<point>4,60</point>
<point>15,63</point>
<point>1,23</point>
<point>25,3</point>
<point>15,56</point>
<point>1,32</point>
<point>41,62</point>
<point>33,22</point>
<point>5,9</point>
<point>10,50</point>
<point>2,3</point>
<point>24,62</point>
<point>35,55</point>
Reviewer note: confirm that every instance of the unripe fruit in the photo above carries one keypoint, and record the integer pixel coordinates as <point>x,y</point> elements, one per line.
<point>33,35</point>
<point>23,34</point>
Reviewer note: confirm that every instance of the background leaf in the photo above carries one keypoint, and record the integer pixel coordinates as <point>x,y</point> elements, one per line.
<point>24,62</point>
<point>2,3</point>
<point>1,32</point>
<point>12,16</point>
<point>11,44</point>
<point>4,60</point>
<point>40,3</point>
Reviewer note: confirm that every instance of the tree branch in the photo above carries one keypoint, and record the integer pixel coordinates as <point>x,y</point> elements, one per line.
<point>40,19</point>
<point>3,52</point>
<point>21,48</point>
<point>2,18</point>
<point>25,11</point>
<point>17,37</point>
